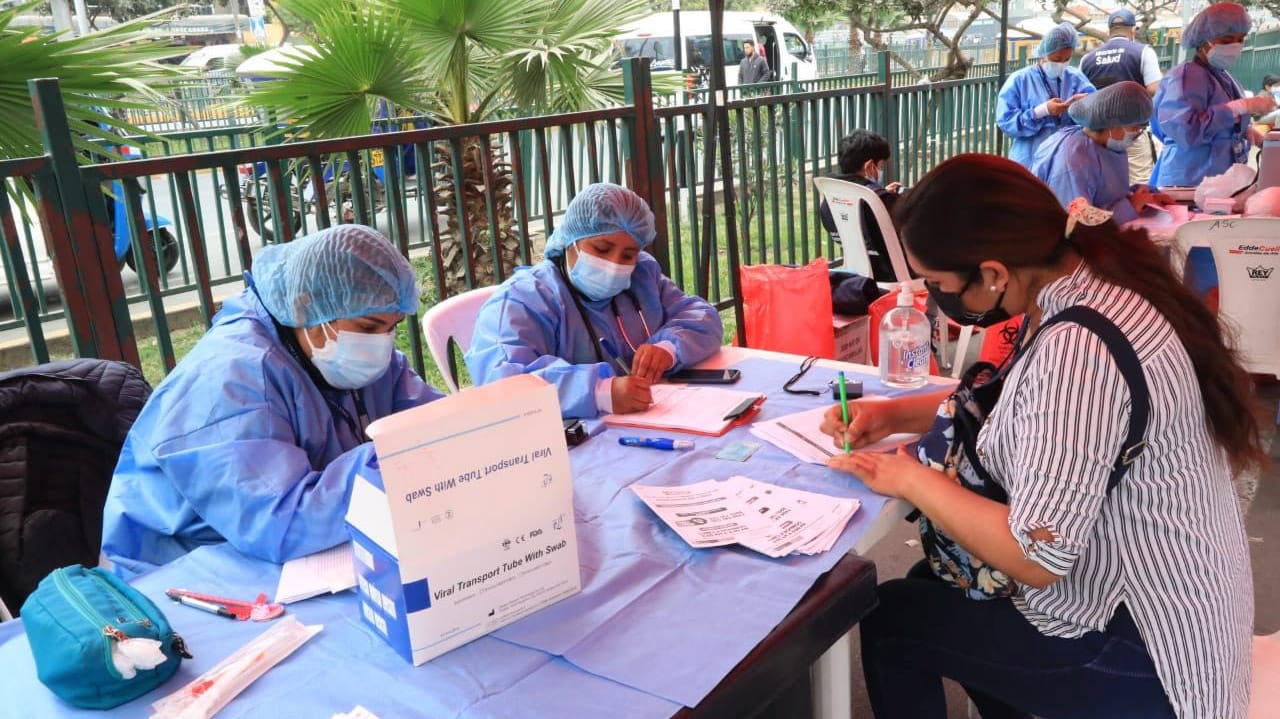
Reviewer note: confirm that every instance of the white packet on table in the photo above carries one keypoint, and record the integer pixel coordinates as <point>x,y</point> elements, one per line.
<point>211,691</point>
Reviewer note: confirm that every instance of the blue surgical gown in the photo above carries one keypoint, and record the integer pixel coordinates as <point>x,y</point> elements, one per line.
<point>1023,92</point>
<point>1073,165</point>
<point>1201,136</point>
<point>530,325</point>
<point>238,445</point>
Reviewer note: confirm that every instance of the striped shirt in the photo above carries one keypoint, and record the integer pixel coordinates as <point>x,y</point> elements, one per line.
<point>1168,542</point>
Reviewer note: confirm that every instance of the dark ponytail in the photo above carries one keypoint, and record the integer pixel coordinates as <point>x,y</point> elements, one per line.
<point>982,207</point>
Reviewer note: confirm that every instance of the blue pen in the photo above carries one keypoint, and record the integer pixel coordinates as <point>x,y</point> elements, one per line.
<point>612,351</point>
<point>656,443</point>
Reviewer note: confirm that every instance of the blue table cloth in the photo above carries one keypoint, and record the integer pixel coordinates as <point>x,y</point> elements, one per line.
<point>657,624</point>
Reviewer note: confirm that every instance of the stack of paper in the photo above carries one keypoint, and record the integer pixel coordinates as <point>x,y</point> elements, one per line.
<point>800,435</point>
<point>689,408</point>
<point>775,521</point>
<point>330,571</point>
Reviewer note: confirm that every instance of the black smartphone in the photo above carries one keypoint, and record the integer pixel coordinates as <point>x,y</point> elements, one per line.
<point>705,376</point>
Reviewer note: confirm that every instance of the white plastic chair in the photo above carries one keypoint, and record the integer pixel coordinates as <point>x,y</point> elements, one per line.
<point>844,198</point>
<point>1246,252</point>
<point>453,319</point>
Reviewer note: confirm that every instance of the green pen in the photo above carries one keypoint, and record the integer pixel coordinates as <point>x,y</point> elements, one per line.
<point>844,412</point>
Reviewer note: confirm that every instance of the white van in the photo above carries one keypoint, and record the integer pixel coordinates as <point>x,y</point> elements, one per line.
<point>784,47</point>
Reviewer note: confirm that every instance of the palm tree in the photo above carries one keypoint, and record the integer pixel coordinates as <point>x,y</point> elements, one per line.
<point>116,69</point>
<point>456,61</point>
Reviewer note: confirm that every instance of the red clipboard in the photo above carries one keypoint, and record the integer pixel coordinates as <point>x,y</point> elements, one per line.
<point>740,415</point>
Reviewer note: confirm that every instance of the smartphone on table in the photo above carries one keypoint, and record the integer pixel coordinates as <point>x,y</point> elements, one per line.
<point>705,376</point>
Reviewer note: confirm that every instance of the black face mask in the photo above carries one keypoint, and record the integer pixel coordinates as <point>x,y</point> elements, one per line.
<point>952,306</point>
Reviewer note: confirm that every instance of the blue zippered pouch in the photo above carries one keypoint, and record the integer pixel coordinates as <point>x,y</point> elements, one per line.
<point>77,618</point>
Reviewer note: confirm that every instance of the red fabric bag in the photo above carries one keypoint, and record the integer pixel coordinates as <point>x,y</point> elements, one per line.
<point>788,309</point>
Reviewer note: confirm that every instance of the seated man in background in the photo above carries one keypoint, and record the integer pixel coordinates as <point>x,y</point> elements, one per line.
<point>595,284</point>
<point>863,156</point>
<point>255,437</point>
<point>1091,160</point>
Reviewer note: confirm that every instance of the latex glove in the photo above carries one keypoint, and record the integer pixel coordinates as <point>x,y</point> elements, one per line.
<point>1259,105</point>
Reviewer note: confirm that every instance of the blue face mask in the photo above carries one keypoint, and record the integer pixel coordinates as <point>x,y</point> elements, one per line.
<point>597,278</point>
<point>1224,56</point>
<point>351,360</point>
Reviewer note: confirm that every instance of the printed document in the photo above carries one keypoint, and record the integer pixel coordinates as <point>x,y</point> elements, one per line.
<point>775,521</point>
<point>329,571</point>
<point>686,408</point>
<point>800,435</point>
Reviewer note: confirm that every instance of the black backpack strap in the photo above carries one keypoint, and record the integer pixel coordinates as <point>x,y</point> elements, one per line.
<point>1130,368</point>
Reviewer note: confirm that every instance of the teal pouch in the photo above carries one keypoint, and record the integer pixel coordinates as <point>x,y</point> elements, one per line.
<point>74,620</point>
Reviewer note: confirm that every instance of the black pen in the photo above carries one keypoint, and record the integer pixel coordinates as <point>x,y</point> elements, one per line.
<point>200,604</point>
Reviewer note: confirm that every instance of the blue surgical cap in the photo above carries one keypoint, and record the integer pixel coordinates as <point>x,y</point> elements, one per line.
<point>599,209</point>
<point>336,273</point>
<point>1123,16</point>
<point>1224,18</point>
<point>1062,36</point>
<point>1116,105</point>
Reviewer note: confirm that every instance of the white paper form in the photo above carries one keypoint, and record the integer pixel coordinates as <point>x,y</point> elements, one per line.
<point>687,408</point>
<point>803,522</point>
<point>329,571</point>
<point>705,514</point>
<point>800,435</point>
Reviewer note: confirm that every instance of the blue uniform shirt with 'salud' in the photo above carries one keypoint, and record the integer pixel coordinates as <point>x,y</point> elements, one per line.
<point>238,445</point>
<point>530,325</point>
<point>1117,60</point>
<point>1023,92</point>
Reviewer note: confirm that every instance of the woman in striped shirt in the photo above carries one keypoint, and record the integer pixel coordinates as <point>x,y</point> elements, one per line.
<point>1133,603</point>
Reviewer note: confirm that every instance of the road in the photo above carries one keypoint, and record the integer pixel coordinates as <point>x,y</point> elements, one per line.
<point>224,260</point>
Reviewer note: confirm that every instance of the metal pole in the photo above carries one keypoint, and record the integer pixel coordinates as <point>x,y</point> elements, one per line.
<point>1004,43</point>
<point>675,21</point>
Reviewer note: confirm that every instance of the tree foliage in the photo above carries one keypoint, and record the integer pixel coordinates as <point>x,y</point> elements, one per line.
<point>876,18</point>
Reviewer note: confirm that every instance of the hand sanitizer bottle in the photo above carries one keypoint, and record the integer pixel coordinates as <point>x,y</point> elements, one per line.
<point>904,343</point>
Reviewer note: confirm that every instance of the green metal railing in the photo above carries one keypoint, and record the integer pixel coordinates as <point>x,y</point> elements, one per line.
<point>404,183</point>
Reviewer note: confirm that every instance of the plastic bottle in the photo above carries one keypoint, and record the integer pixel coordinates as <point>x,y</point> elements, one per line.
<point>905,343</point>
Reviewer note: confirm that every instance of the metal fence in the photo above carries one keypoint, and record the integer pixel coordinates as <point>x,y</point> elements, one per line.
<point>500,184</point>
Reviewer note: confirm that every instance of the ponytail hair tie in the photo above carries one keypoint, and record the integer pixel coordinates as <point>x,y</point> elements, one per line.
<point>1082,212</point>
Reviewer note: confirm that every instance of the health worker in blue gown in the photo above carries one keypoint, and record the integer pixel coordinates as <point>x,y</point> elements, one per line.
<point>1091,159</point>
<point>255,437</point>
<point>596,283</point>
<point>1201,113</point>
<point>1034,100</point>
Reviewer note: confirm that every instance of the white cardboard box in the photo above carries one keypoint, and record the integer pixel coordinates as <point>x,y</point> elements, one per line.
<point>468,525</point>
<point>852,336</point>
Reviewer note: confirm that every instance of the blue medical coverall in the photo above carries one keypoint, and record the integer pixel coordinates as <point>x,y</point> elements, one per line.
<point>1073,165</point>
<point>1201,136</point>
<point>530,325</point>
<point>1025,90</point>
<point>238,445</point>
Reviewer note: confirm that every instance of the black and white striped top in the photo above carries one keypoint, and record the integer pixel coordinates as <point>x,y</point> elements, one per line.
<point>1169,542</point>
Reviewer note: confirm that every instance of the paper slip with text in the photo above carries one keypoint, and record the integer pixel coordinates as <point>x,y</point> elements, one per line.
<point>801,436</point>
<point>327,572</point>
<point>468,525</point>
<point>687,408</point>
<point>775,521</point>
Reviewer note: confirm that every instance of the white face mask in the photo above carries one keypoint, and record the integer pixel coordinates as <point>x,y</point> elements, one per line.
<point>1054,69</point>
<point>351,360</point>
<point>597,277</point>
<point>1123,144</point>
<point>1226,55</point>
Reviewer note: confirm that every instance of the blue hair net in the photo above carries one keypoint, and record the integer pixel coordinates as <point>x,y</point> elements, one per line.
<point>599,209</point>
<point>1116,105</point>
<point>1224,18</point>
<point>1062,36</point>
<point>336,273</point>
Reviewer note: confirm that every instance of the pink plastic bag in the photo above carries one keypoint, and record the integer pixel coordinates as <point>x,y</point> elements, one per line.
<point>788,309</point>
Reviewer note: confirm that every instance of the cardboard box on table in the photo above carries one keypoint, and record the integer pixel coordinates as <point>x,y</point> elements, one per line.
<point>852,333</point>
<point>468,525</point>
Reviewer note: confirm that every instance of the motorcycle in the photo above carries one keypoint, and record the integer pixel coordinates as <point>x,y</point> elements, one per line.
<point>157,227</point>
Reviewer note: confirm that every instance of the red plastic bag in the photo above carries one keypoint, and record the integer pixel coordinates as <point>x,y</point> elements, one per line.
<point>788,309</point>
<point>998,341</point>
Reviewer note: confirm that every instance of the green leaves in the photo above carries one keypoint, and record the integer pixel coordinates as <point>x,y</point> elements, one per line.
<point>116,68</point>
<point>458,61</point>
